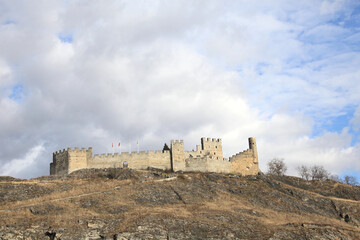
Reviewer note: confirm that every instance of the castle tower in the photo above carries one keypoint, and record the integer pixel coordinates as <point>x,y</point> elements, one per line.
<point>252,147</point>
<point>212,147</point>
<point>67,161</point>
<point>177,155</point>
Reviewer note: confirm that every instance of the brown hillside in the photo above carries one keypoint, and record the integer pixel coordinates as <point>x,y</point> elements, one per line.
<point>128,204</point>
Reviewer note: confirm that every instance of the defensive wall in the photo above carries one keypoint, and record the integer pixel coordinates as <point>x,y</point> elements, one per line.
<point>208,157</point>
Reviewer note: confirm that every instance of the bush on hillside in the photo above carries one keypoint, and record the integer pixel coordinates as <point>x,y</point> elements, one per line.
<point>277,167</point>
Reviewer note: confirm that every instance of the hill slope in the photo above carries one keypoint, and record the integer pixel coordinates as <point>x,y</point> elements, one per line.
<point>158,205</point>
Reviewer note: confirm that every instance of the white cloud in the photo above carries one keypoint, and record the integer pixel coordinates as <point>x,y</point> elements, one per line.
<point>21,166</point>
<point>5,75</point>
<point>172,70</point>
<point>331,7</point>
<point>331,150</point>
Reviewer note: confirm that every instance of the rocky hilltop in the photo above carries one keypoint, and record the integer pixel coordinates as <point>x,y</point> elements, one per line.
<point>129,204</point>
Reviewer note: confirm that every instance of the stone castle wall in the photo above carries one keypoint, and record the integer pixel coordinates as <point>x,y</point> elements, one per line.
<point>208,157</point>
<point>246,161</point>
<point>134,160</point>
<point>60,164</point>
<point>69,160</point>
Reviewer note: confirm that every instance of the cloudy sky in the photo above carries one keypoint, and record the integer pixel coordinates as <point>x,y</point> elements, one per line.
<point>89,73</point>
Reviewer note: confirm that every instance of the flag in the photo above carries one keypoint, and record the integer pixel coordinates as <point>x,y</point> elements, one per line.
<point>112,145</point>
<point>119,144</point>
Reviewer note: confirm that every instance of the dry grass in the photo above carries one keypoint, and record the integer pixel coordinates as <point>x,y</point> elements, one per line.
<point>89,199</point>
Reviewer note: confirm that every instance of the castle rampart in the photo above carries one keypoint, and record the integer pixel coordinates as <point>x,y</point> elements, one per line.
<point>208,157</point>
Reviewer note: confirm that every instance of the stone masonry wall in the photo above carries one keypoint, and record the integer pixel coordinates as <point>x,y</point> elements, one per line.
<point>206,164</point>
<point>177,155</point>
<point>244,163</point>
<point>61,162</point>
<point>52,168</point>
<point>213,147</point>
<point>135,160</point>
<point>207,158</point>
<point>78,159</point>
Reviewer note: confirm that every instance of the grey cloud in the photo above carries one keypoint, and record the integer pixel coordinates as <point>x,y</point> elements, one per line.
<point>165,71</point>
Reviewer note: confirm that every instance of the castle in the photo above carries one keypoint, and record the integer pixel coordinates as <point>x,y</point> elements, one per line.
<point>207,158</point>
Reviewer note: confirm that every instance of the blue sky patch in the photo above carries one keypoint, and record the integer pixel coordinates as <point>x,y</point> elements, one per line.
<point>355,136</point>
<point>66,37</point>
<point>260,68</point>
<point>354,20</point>
<point>336,123</point>
<point>353,173</point>
<point>8,22</point>
<point>17,93</point>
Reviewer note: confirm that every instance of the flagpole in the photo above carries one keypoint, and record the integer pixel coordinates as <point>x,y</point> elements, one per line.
<point>137,145</point>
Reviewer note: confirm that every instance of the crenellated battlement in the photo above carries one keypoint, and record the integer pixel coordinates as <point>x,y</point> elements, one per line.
<point>243,153</point>
<point>60,151</point>
<point>127,154</point>
<point>203,139</point>
<point>177,141</point>
<point>76,149</point>
<point>208,157</point>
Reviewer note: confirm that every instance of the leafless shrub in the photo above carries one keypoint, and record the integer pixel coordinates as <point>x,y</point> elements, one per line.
<point>277,167</point>
<point>336,178</point>
<point>319,173</point>
<point>113,173</point>
<point>304,172</point>
<point>351,180</point>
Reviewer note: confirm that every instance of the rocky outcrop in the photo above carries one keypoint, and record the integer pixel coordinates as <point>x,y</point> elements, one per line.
<point>152,204</point>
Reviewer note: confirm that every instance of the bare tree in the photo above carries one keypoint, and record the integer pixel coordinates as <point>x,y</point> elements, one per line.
<point>319,173</point>
<point>276,166</point>
<point>336,178</point>
<point>351,180</point>
<point>304,172</point>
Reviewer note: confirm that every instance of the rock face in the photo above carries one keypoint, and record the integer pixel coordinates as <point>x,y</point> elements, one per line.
<point>128,204</point>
